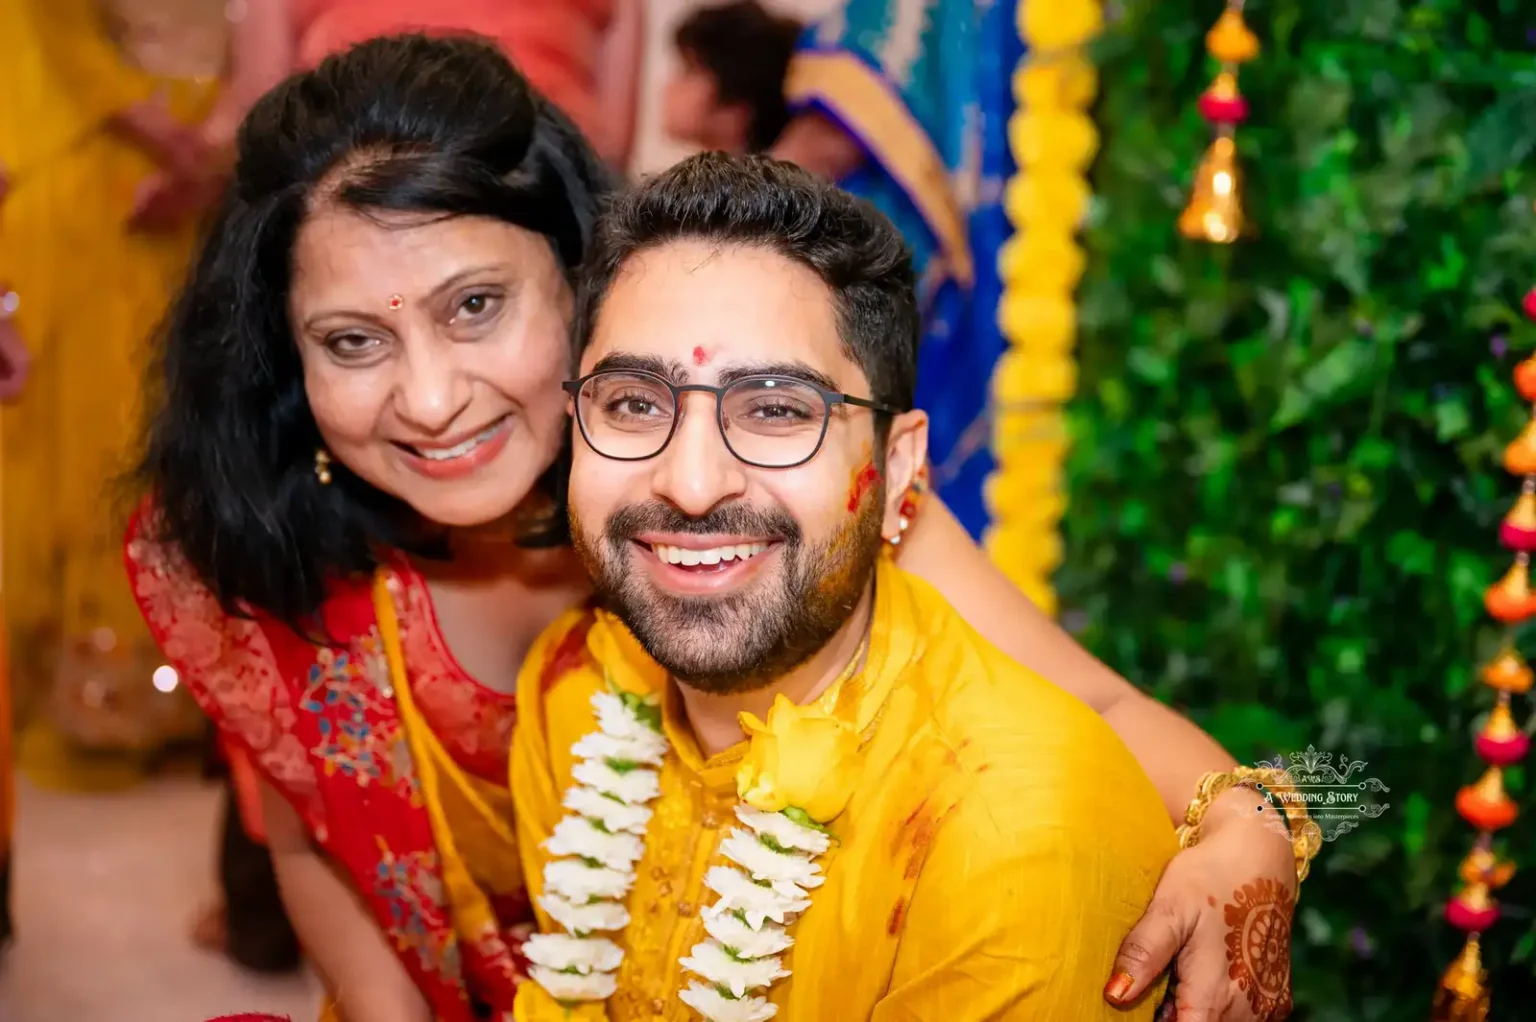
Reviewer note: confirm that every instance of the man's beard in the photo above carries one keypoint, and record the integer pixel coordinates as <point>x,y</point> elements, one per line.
<point>741,641</point>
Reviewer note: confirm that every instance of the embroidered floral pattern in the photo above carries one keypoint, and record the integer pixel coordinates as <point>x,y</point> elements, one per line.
<point>359,734</point>
<point>411,885</point>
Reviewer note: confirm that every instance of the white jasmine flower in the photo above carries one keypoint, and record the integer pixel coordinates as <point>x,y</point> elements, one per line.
<point>727,928</point>
<point>580,955</point>
<point>592,917</point>
<point>710,961</point>
<point>786,833</point>
<point>635,787</point>
<point>574,880</point>
<point>616,719</point>
<point>716,1007</point>
<point>566,986</point>
<point>650,747</point>
<point>757,903</point>
<point>616,816</point>
<point>763,863</point>
<point>575,835</point>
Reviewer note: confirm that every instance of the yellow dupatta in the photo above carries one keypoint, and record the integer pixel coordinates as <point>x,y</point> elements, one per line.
<point>471,818</point>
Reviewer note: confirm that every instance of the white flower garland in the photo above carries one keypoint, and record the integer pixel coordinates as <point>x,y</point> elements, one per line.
<point>599,844</point>
<point>747,926</point>
<point>602,840</point>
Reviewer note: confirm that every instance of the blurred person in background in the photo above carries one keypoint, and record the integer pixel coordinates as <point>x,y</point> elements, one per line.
<point>97,96</point>
<point>104,100</point>
<point>727,91</point>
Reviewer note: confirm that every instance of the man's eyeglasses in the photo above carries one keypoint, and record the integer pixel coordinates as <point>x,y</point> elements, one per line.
<point>766,421</point>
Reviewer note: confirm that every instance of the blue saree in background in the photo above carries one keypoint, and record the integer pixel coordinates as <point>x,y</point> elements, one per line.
<point>925,86</point>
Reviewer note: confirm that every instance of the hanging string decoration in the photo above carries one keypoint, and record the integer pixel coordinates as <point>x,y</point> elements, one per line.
<point>1215,210</point>
<point>1054,140</point>
<point>1463,994</point>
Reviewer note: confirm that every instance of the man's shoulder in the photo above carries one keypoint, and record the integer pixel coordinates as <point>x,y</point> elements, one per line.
<point>1023,752</point>
<point>973,686</point>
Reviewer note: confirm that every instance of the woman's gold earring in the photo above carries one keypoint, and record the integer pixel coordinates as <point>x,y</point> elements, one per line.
<point>323,466</point>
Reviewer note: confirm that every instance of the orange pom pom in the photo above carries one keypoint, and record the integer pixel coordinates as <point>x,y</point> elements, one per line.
<point>1520,455</point>
<point>1525,379</point>
<point>1485,805</point>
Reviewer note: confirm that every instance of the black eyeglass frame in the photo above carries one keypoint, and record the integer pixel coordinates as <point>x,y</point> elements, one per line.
<point>832,398</point>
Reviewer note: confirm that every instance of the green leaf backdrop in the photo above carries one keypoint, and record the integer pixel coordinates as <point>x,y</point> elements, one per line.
<point>1285,479</point>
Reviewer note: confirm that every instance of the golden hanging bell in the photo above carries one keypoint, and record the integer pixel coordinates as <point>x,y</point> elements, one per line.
<point>1501,726</point>
<point>1463,992</point>
<point>1215,211</point>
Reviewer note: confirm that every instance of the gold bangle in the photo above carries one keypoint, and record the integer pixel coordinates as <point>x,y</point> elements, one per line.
<point>1306,836</point>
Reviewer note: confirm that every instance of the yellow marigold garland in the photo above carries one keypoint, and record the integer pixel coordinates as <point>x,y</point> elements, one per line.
<point>1054,142</point>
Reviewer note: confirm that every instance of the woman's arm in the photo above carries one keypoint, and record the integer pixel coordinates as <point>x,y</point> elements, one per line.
<point>200,159</point>
<point>260,55</point>
<point>618,82</point>
<point>820,145</point>
<point>1173,752</point>
<point>338,934</point>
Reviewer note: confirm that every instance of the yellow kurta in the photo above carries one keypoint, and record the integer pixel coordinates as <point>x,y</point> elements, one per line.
<point>999,845</point>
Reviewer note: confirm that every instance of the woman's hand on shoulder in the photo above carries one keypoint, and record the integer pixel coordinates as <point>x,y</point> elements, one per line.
<point>1221,916</point>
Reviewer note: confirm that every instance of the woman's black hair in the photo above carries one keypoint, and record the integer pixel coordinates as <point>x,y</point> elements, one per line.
<point>406,123</point>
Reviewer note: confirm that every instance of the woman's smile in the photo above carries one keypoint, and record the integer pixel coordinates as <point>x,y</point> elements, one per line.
<point>460,458</point>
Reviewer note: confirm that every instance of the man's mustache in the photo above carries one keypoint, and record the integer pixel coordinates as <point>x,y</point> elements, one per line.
<point>738,519</point>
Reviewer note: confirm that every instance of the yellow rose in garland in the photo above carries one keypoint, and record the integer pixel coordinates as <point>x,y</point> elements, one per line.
<point>803,758</point>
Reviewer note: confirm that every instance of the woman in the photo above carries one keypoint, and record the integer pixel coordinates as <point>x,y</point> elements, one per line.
<point>585,55</point>
<point>357,530</point>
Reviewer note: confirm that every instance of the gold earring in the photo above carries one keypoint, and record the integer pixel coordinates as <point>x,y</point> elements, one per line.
<point>323,466</point>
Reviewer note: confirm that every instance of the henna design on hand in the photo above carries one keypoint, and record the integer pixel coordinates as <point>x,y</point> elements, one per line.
<point>1259,946</point>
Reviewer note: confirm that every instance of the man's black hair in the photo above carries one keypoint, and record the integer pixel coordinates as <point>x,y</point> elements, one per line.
<point>757,201</point>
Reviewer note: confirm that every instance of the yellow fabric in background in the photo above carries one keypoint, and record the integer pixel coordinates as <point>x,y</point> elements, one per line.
<point>999,845</point>
<point>7,774</point>
<point>91,296</point>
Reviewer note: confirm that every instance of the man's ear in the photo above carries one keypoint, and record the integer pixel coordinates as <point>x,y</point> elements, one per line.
<point>906,451</point>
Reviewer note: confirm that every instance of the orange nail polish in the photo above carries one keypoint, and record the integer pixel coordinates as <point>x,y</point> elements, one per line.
<point>1118,986</point>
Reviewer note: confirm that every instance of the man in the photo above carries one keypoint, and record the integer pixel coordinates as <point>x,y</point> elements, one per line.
<point>922,829</point>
